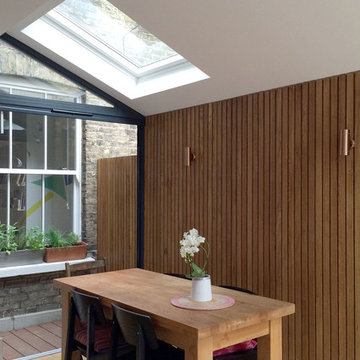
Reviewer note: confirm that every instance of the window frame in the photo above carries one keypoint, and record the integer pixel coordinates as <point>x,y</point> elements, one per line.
<point>55,108</point>
<point>44,172</point>
<point>121,113</point>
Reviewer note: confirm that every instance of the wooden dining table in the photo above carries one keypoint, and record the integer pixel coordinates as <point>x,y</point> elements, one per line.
<point>198,332</point>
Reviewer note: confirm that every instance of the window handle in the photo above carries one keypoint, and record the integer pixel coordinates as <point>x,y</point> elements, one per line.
<point>68,112</point>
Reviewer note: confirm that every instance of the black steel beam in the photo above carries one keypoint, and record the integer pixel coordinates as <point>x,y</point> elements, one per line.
<point>71,76</point>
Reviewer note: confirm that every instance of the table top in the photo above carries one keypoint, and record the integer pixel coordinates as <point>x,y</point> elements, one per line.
<point>150,293</point>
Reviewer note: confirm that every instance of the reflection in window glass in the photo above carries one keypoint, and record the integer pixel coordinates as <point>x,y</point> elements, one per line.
<point>3,198</point>
<point>59,202</point>
<point>25,200</point>
<point>61,98</point>
<point>61,143</point>
<point>34,94</point>
<point>20,71</point>
<point>4,139</point>
<point>4,90</point>
<point>28,141</point>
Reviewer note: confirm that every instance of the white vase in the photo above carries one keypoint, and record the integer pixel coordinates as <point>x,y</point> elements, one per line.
<point>201,288</point>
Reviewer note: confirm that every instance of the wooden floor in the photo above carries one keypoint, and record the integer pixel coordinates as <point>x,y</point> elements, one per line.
<point>32,340</point>
<point>51,357</point>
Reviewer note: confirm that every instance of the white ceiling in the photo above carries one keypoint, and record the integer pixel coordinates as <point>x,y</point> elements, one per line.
<point>244,46</point>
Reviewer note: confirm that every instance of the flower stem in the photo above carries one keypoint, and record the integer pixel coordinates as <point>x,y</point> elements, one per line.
<point>207,254</point>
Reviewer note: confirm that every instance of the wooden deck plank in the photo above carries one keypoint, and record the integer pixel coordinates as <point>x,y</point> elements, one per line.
<point>46,335</point>
<point>32,340</point>
<point>17,343</point>
<point>4,333</point>
<point>53,328</point>
<point>9,353</point>
<point>38,343</point>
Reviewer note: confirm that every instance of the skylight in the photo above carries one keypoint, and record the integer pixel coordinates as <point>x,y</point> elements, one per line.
<point>101,40</point>
<point>110,25</point>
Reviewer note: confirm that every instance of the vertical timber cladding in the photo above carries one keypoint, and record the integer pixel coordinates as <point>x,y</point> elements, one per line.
<point>117,211</point>
<point>275,200</point>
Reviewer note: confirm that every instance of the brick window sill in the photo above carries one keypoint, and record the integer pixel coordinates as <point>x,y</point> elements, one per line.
<point>37,268</point>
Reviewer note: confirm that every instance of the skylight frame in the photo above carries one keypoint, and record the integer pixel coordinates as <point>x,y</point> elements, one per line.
<point>93,43</point>
<point>100,65</point>
<point>106,22</point>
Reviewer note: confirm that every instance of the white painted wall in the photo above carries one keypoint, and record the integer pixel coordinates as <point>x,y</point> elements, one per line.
<point>244,46</point>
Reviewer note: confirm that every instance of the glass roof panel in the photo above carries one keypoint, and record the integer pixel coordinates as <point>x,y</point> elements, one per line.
<point>108,24</point>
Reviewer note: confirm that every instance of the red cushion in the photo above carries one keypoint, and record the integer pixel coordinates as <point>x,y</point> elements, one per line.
<point>102,336</point>
<point>244,346</point>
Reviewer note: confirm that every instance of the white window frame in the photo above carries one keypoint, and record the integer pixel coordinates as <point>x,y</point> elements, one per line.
<point>44,172</point>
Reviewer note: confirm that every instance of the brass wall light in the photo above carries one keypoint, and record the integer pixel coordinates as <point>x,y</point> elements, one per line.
<point>189,156</point>
<point>346,142</point>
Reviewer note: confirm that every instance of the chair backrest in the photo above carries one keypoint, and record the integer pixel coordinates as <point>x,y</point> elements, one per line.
<point>137,330</point>
<point>99,265</point>
<point>181,276</point>
<point>237,289</point>
<point>83,302</point>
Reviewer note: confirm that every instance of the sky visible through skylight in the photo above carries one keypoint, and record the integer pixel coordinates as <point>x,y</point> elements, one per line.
<point>110,25</point>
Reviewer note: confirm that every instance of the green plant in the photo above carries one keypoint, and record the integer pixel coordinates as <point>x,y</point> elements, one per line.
<point>7,238</point>
<point>73,238</point>
<point>55,238</point>
<point>20,238</point>
<point>34,238</point>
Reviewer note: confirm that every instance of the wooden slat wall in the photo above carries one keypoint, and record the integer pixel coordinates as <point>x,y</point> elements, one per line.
<point>274,199</point>
<point>116,209</point>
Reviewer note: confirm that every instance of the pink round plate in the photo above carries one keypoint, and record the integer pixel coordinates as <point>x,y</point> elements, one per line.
<point>218,302</point>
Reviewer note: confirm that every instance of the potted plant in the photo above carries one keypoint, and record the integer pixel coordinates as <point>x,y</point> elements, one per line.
<point>61,248</point>
<point>7,244</point>
<point>18,247</point>
<point>7,238</point>
<point>190,244</point>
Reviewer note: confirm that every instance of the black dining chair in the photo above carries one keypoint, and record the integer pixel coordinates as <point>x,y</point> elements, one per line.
<point>90,332</point>
<point>137,330</point>
<point>85,267</point>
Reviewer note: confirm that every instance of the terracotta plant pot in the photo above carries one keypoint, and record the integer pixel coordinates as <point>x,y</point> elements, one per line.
<point>54,254</point>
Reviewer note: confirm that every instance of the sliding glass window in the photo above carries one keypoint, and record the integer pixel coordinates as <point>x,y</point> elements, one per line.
<point>40,171</point>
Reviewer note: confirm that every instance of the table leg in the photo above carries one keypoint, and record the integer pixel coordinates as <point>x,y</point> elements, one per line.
<point>276,339</point>
<point>65,313</point>
<point>202,350</point>
<point>1,345</point>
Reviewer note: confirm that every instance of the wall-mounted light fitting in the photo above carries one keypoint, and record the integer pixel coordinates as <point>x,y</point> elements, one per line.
<point>189,156</point>
<point>346,143</point>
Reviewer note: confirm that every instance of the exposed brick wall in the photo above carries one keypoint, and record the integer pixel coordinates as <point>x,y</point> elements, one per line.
<point>29,293</point>
<point>100,140</point>
<point>15,62</point>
